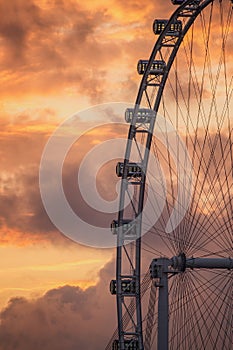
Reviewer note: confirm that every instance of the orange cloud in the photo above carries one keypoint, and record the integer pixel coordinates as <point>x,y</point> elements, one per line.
<point>33,268</point>
<point>51,48</point>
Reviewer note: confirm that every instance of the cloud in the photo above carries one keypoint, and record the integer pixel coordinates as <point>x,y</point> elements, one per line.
<point>23,218</point>
<point>53,48</point>
<point>16,26</point>
<point>64,318</point>
<point>58,47</point>
<point>21,209</point>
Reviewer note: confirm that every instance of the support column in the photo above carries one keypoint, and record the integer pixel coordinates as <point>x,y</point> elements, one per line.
<point>159,270</point>
<point>163,312</point>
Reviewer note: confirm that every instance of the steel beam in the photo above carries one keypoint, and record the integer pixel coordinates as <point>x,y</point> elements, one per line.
<point>209,263</point>
<point>163,313</point>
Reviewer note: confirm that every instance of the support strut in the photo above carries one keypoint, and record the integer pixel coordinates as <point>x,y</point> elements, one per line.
<point>161,268</point>
<point>181,263</point>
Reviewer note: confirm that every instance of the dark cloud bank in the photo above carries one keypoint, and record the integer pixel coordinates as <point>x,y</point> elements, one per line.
<point>66,318</point>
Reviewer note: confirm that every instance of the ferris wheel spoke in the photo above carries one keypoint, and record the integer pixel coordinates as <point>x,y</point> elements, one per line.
<point>219,235</point>
<point>168,241</point>
<point>219,253</point>
<point>214,324</point>
<point>150,317</point>
<point>226,156</point>
<point>174,198</point>
<point>179,313</point>
<point>212,223</point>
<point>220,136</point>
<point>200,317</point>
<point>196,317</point>
<point>150,249</point>
<point>212,282</point>
<point>206,139</point>
<point>181,316</point>
<point>156,231</point>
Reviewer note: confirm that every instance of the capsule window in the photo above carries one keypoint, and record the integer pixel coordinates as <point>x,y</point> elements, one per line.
<point>159,25</point>
<point>133,170</point>
<point>157,67</point>
<point>127,286</point>
<point>144,115</point>
<point>129,344</point>
<point>129,228</point>
<point>114,226</point>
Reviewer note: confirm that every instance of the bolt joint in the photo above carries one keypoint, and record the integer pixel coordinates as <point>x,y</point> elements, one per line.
<point>179,262</point>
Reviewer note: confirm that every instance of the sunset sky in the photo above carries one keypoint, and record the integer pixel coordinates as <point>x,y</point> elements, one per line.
<point>57,58</point>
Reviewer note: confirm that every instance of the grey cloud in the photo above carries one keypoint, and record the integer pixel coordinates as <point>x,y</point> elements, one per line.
<point>21,207</point>
<point>64,318</point>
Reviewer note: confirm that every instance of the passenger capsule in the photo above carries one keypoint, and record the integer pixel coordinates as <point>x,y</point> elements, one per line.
<point>174,29</point>
<point>129,344</point>
<point>157,67</point>
<point>133,170</point>
<point>144,115</point>
<point>127,286</point>
<point>129,228</point>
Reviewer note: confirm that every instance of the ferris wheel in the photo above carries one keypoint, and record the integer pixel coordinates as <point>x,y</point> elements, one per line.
<point>174,263</point>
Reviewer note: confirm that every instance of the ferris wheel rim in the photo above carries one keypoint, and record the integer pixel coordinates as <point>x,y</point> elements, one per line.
<point>175,15</point>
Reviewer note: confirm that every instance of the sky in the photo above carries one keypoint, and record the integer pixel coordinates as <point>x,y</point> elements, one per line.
<point>57,58</point>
